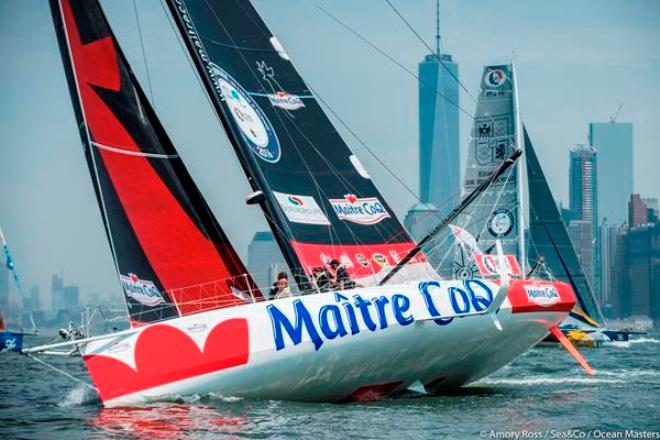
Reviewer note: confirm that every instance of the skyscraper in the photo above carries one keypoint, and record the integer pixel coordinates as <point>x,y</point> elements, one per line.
<point>614,142</point>
<point>439,150</point>
<point>583,199</point>
<point>439,147</point>
<point>57,293</point>
<point>265,259</point>
<point>638,213</point>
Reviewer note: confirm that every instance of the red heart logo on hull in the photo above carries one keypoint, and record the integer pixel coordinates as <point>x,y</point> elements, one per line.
<point>165,354</point>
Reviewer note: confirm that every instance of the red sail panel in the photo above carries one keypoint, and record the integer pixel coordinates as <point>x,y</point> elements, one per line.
<point>188,253</point>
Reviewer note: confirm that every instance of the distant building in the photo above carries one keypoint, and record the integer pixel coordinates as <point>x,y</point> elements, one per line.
<point>643,261</point>
<point>420,219</point>
<point>57,293</point>
<point>34,298</point>
<point>439,146</point>
<point>265,260</point>
<point>71,297</point>
<point>614,142</point>
<point>611,252</point>
<point>582,236</point>
<point>637,211</point>
<point>583,195</point>
<point>652,209</point>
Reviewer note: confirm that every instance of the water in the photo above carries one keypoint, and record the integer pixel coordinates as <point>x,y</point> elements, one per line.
<point>543,390</point>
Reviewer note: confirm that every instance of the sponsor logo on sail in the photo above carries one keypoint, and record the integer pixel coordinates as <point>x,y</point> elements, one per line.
<point>197,327</point>
<point>142,291</point>
<point>495,78</point>
<point>500,223</point>
<point>301,209</point>
<point>364,211</point>
<point>545,296</point>
<point>118,347</point>
<point>380,259</point>
<point>285,100</point>
<point>255,128</point>
<point>362,260</point>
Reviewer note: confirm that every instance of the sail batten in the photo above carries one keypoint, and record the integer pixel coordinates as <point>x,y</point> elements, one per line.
<point>162,234</point>
<point>319,199</point>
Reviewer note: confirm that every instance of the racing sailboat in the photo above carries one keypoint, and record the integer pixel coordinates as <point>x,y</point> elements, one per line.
<point>183,282</point>
<point>499,212</point>
<point>12,333</point>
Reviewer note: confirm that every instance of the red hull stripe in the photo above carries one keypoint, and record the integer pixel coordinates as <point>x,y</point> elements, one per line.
<point>365,260</point>
<point>177,250</point>
<point>165,354</point>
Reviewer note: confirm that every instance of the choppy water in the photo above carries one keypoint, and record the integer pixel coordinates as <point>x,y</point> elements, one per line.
<point>543,391</point>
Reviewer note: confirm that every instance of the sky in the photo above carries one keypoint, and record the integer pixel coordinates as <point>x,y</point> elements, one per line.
<point>577,62</point>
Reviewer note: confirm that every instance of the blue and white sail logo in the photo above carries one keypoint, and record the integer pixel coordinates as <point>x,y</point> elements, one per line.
<point>142,291</point>
<point>495,78</point>
<point>255,128</point>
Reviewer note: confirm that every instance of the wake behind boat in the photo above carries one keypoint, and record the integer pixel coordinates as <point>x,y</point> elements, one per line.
<point>199,323</point>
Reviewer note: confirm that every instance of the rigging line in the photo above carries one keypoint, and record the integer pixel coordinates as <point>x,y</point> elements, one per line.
<point>419,37</point>
<point>144,55</point>
<point>366,147</point>
<point>70,376</point>
<point>389,57</point>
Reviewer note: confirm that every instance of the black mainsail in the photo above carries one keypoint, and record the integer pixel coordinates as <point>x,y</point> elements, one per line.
<point>318,198</point>
<point>549,238</point>
<point>170,253</point>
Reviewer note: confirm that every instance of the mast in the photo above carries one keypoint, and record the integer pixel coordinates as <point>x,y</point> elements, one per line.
<point>519,175</point>
<point>437,28</point>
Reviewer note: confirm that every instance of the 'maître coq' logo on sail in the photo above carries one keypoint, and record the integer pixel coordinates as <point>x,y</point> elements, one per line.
<point>365,211</point>
<point>143,291</point>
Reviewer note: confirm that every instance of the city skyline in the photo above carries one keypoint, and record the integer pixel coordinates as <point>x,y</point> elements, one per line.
<point>48,209</point>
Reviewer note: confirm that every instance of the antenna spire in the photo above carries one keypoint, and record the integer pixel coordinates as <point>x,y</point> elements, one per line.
<point>437,28</point>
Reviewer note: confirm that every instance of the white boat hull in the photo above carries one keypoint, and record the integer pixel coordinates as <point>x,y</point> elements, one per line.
<point>234,352</point>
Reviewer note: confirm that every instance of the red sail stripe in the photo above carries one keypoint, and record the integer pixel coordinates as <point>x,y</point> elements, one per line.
<point>179,253</point>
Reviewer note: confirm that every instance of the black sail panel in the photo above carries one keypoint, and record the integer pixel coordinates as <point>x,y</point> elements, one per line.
<point>171,255</point>
<point>549,238</point>
<point>319,199</point>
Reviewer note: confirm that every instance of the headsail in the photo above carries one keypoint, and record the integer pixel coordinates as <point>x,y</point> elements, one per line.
<point>493,139</point>
<point>549,239</point>
<point>319,199</point>
<point>171,255</point>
